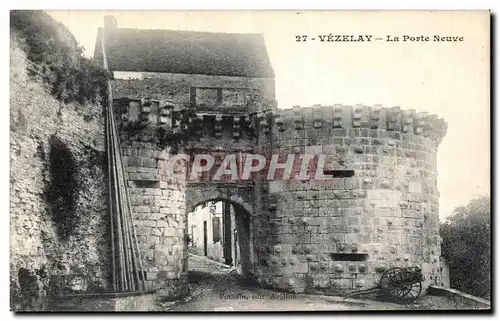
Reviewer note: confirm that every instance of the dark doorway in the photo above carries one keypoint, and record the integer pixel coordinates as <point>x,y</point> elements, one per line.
<point>227,224</point>
<point>236,248</point>
<point>219,235</point>
<point>205,238</point>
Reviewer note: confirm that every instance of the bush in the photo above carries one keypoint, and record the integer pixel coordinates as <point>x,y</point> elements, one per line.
<point>58,58</point>
<point>466,247</point>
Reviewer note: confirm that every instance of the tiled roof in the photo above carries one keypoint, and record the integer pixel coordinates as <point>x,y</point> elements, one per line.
<point>185,52</point>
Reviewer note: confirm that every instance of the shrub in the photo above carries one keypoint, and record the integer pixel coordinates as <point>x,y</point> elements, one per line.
<point>58,59</point>
<point>184,131</point>
<point>466,247</point>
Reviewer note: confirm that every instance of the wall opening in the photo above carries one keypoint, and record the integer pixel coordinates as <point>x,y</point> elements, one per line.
<point>147,184</point>
<point>218,235</point>
<point>349,256</point>
<point>339,172</point>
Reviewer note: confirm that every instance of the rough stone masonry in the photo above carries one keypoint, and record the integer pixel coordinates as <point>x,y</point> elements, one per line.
<point>59,231</point>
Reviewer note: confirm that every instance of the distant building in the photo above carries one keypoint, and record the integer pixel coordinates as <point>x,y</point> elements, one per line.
<point>209,232</point>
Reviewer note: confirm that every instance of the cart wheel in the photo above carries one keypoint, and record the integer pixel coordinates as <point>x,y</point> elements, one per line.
<point>404,284</point>
<point>387,282</point>
<point>387,276</point>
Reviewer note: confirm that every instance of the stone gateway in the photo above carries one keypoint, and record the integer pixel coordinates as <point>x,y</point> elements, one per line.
<point>305,236</point>
<point>367,201</point>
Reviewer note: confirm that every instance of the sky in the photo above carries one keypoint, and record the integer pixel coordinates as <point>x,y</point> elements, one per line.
<point>450,79</point>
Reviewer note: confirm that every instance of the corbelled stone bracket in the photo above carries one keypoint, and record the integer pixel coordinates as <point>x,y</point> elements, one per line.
<point>218,126</point>
<point>337,116</point>
<point>249,127</point>
<point>146,111</point>
<point>363,117</point>
<point>297,117</point>
<point>236,127</point>
<point>317,117</point>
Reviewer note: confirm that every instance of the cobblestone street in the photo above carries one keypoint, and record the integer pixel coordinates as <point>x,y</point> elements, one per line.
<point>214,287</point>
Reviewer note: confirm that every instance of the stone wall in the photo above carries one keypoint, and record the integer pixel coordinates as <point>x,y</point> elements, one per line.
<point>236,93</point>
<point>58,201</point>
<point>445,273</point>
<point>340,234</point>
<point>108,302</point>
<point>158,208</point>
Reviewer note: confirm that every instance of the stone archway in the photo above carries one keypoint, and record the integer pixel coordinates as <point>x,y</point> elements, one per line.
<point>197,194</point>
<point>238,197</point>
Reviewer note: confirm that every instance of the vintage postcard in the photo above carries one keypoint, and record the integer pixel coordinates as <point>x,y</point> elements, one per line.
<point>250,161</point>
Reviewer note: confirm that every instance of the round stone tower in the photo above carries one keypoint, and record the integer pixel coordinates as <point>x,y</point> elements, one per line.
<point>378,209</point>
<point>157,197</point>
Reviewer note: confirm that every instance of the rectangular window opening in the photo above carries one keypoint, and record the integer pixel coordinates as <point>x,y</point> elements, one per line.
<point>206,97</point>
<point>349,256</point>
<point>339,172</point>
<point>147,184</point>
<point>216,229</point>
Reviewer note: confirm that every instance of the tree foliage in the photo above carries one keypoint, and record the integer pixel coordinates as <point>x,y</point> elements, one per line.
<point>466,247</point>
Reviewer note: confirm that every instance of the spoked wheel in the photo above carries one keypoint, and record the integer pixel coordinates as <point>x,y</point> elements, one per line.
<point>410,286</point>
<point>403,284</point>
<point>387,283</point>
<point>412,291</point>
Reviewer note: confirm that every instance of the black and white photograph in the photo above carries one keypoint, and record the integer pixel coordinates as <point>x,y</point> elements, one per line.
<point>250,160</point>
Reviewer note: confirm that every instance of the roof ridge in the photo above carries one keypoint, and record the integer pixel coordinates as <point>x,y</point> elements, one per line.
<point>192,31</point>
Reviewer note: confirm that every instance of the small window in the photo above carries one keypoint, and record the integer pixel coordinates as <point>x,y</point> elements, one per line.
<point>216,229</point>
<point>349,256</point>
<point>339,172</point>
<point>147,184</point>
<point>207,97</point>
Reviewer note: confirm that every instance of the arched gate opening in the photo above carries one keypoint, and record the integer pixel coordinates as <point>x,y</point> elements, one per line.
<point>219,238</point>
